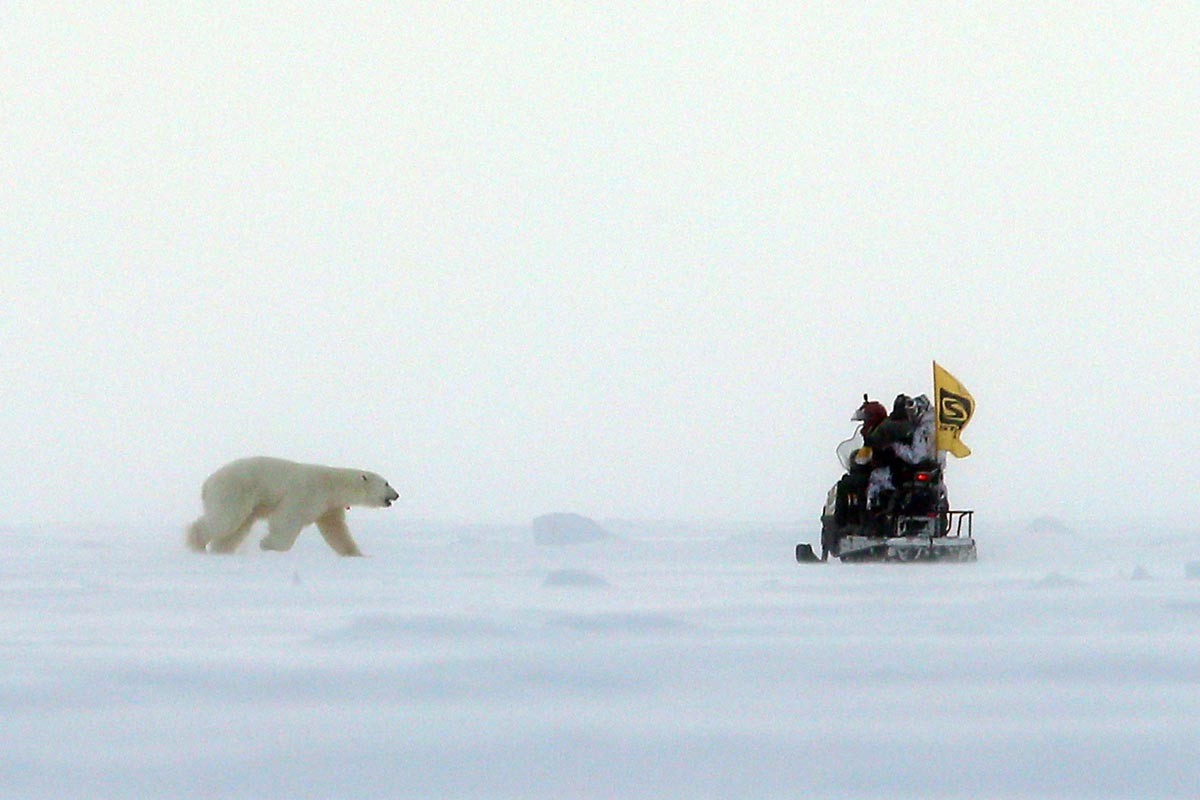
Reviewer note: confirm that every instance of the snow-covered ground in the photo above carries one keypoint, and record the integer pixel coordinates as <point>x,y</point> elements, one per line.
<point>666,663</point>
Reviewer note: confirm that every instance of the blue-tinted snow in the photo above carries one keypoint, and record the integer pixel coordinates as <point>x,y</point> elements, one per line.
<point>709,665</point>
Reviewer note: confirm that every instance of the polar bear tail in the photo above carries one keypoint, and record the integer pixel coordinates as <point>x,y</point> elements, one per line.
<point>196,540</point>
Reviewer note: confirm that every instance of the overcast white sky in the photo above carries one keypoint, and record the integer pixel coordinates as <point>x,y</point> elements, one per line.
<point>627,259</point>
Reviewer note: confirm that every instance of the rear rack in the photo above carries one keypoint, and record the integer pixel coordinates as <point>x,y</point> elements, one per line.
<point>954,523</point>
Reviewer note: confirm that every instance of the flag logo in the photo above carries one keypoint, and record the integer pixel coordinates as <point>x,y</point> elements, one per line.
<point>954,409</point>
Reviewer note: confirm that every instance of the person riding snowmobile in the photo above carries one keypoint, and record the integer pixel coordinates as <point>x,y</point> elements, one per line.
<point>897,429</point>
<point>850,490</point>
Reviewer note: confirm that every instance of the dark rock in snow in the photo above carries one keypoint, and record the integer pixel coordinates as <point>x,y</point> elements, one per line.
<point>566,528</point>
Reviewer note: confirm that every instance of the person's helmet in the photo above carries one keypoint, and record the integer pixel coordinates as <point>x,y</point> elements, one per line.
<point>870,413</point>
<point>859,415</point>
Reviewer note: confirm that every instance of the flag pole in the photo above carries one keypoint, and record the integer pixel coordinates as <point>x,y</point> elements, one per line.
<point>936,418</point>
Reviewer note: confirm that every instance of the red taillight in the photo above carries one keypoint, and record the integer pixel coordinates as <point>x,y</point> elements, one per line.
<point>923,477</point>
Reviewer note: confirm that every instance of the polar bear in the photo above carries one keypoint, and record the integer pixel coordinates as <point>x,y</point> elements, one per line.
<point>290,496</point>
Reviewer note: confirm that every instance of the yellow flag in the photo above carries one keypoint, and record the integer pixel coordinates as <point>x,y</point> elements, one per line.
<point>954,409</point>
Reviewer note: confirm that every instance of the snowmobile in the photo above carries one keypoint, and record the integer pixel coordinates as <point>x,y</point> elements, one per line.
<point>908,518</point>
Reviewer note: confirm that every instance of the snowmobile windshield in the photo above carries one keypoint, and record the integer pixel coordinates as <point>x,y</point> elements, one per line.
<point>846,449</point>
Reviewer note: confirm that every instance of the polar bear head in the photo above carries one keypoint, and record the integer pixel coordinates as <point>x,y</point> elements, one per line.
<point>376,491</point>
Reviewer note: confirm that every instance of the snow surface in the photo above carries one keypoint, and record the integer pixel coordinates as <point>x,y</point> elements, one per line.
<point>662,663</point>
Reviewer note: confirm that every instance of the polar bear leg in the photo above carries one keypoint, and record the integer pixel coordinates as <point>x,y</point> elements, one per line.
<point>283,526</point>
<point>220,522</point>
<point>230,541</point>
<point>197,539</point>
<point>332,525</point>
